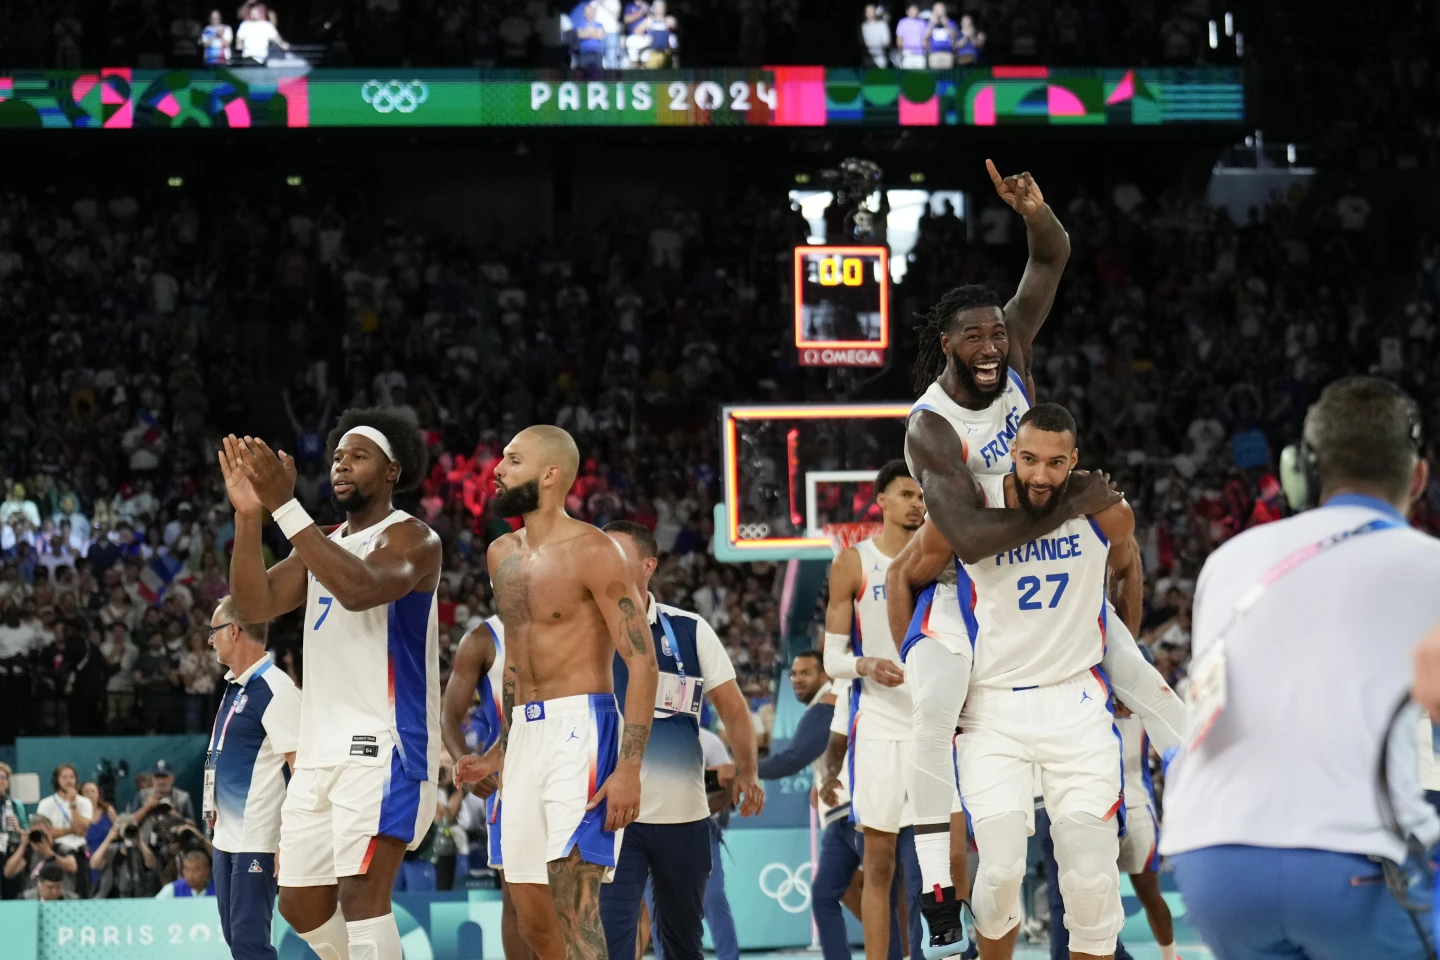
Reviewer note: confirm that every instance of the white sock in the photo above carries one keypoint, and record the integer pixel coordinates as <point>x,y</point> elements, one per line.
<point>933,852</point>
<point>1167,952</point>
<point>330,940</point>
<point>375,939</point>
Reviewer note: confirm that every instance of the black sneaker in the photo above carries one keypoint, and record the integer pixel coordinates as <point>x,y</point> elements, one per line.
<point>940,917</point>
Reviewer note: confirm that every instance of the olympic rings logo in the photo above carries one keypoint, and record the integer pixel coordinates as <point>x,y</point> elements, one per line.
<point>394,96</point>
<point>792,890</point>
<point>753,531</point>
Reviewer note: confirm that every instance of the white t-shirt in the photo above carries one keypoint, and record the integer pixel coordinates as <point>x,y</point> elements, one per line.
<point>672,772</point>
<point>21,640</point>
<point>57,811</point>
<point>254,38</point>
<point>1312,673</point>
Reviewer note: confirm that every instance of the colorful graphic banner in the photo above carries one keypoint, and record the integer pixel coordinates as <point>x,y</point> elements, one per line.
<point>122,98</point>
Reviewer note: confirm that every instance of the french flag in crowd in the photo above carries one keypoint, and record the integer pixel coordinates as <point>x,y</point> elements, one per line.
<point>156,577</point>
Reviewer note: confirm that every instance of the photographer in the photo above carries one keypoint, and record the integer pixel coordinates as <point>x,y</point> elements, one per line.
<point>161,798</point>
<point>125,861</point>
<point>36,850</point>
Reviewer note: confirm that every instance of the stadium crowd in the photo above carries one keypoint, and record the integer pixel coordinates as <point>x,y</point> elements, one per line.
<point>150,323</point>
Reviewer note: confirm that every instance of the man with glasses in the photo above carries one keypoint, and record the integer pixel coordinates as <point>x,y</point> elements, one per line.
<point>254,739</point>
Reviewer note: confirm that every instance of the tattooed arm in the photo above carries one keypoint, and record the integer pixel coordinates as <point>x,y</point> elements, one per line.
<point>606,574</point>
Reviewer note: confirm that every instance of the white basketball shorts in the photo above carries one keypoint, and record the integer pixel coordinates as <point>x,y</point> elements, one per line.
<point>1140,847</point>
<point>560,752</point>
<point>333,815</point>
<point>1066,729</point>
<point>879,770</point>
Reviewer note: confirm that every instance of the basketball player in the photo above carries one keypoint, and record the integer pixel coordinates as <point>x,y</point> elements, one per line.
<point>961,429</point>
<point>364,786</point>
<point>1035,618</point>
<point>476,675</point>
<point>858,644</point>
<point>1139,848</point>
<point>571,778</point>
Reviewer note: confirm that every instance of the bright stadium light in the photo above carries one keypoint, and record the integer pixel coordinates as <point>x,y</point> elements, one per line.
<point>293,181</point>
<point>176,181</point>
<point>1229,24</point>
<point>1290,153</point>
<point>1214,35</point>
<point>1239,44</point>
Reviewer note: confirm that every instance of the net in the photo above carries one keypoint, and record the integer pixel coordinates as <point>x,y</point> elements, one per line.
<point>845,535</point>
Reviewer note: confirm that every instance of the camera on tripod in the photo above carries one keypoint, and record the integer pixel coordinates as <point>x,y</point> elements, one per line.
<point>853,181</point>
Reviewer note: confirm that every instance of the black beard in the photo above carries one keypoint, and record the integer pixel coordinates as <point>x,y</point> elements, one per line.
<point>985,395</point>
<point>1039,511</point>
<point>353,502</point>
<point>518,501</point>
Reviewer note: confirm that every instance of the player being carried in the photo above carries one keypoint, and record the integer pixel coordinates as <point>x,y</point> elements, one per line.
<point>363,791</point>
<point>570,778</point>
<point>974,366</point>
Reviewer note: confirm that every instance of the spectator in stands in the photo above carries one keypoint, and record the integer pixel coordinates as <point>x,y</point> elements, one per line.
<point>217,39</point>
<point>589,40</point>
<point>13,820</point>
<point>911,34</point>
<point>156,677</point>
<point>194,881</point>
<point>86,676</point>
<point>185,37</point>
<point>875,34</point>
<point>256,34</point>
<point>940,39</point>
<point>663,43</point>
<point>50,885</point>
<point>198,673</point>
<point>36,849</point>
<point>17,503</point>
<point>126,863</point>
<point>100,824</point>
<point>19,642</point>
<point>970,42</point>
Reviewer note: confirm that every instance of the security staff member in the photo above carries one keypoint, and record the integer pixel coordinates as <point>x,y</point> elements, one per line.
<point>671,838</point>
<point>252,743</point>
<point>1304,632</point>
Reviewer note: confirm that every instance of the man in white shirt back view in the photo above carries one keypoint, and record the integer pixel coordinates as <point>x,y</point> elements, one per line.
<point>255,36</point>
<point>1306,626</point>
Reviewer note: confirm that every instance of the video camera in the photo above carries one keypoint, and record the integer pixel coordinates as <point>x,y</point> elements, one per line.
<point>853,181</point>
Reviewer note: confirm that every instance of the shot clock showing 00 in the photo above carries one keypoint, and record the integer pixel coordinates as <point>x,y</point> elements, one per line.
<point>842,306</point>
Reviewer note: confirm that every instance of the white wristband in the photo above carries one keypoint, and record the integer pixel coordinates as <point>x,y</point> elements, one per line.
<point>292,518</point>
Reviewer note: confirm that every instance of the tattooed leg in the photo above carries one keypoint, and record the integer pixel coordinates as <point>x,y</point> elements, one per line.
<point>535,916</point>
<point>575,885</point>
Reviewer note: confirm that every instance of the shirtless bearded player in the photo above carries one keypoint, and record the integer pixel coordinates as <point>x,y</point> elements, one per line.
<point>570,777</point>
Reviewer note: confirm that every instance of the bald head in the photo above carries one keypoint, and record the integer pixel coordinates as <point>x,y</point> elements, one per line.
<point>536,472</point>
<point>556,449</point>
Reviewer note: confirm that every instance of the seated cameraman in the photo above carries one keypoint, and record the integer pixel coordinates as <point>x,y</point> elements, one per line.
<point>51,885</point>
<point>195,879</point>
<point>162,796</point>
<point>125,861</point>
<point>36,850</point>
<point>172,838</point>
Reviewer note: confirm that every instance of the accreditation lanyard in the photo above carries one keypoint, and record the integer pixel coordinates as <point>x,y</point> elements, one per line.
<point>1208,691</point>
<point>673,644</point>
<point>673,693</point>
<point>217,744</point>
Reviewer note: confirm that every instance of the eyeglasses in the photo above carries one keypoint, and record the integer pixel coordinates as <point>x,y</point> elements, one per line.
<point>210,633</point>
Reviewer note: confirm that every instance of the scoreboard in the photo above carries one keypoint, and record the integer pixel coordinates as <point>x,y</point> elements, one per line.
<point>842,305</point>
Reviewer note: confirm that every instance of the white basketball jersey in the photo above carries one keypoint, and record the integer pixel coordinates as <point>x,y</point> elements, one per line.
<point>885,712</point>
<point>985,435</point>
<point>1135,753</point>
<point>372,677</point>
<point>1036,614</point>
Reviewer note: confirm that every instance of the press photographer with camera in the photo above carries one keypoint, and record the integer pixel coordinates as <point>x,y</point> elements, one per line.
<point>125,861</point>
<point>162,797</point>
<point>35,850</point>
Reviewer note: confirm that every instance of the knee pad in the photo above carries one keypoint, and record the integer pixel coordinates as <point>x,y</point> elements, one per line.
<point>1086,853</point>
<point>995,898</point>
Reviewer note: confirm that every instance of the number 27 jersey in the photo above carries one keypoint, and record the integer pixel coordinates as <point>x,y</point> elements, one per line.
<point>1036,614</point>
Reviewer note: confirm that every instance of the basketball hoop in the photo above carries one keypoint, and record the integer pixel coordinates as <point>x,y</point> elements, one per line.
<point>845,535</point>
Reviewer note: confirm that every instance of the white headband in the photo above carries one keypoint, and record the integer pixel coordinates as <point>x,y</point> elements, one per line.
<point>375,436</point>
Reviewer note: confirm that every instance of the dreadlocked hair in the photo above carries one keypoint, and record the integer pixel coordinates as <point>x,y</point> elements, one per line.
<point>930,359</point>
<point>405,438</point>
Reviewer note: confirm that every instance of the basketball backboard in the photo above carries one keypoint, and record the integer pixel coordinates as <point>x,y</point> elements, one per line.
<point>796,477</point>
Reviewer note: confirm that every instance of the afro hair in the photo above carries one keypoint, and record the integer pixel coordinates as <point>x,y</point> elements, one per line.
<point>405,439</point>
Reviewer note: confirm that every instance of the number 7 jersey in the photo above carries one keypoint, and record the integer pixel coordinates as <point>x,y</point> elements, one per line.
<point>372,677</point>
<point>1036,614</point>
